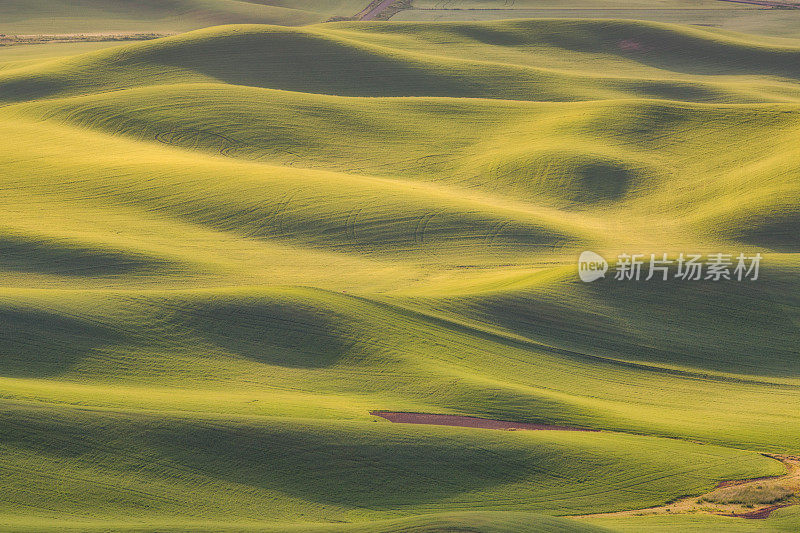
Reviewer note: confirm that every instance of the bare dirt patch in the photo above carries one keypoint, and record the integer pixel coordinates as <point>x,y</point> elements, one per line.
<point>753,498</point>
<point>468,422</point>
<point>758,514</point>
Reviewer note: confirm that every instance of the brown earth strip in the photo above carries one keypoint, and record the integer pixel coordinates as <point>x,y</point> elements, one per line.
<point>758,514</point>
<point>468,422</point>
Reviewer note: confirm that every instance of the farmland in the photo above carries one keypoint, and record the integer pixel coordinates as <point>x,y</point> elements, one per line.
<point>223,249</point>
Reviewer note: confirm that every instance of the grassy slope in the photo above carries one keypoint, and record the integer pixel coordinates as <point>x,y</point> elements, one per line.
<point>476,521</point>
<point>250,469</point>
<point>62,16</point>
<point>194,184</point>
<point>782,520</point>
<point>723,16</point>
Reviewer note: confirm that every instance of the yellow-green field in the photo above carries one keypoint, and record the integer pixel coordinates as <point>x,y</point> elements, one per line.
<point>68,16</point>
<point>220,250</point>
<point>724,15</point>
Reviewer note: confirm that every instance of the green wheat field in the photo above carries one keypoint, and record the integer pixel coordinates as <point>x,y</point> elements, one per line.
<point>224,245</point>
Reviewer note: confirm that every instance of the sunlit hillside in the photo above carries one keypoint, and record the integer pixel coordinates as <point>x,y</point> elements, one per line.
<point>221,250</point>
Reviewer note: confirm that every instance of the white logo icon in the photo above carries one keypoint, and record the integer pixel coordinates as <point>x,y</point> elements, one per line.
<point>591,266</point>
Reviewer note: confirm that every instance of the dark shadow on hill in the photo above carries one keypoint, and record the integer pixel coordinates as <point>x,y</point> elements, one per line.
<point>38,344</point>
<point>282,333</point>
<point>21,254</point>
<point>747,327</point>
<point>673,48</point>
<point>320,464</point>
<point>688,54</point>
<point>779,232</point>
<point>648,43</point>
<point>304,62</point>
<point>343,468</point>
<point>571,176</point>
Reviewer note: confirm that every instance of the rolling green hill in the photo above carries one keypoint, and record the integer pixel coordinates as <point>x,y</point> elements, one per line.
<point>221,250</point>
<point>77,16</point>
<point>722,15</point>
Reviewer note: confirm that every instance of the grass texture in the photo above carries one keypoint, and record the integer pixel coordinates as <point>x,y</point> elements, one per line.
<point>80,16</point>
<point>220,250</point>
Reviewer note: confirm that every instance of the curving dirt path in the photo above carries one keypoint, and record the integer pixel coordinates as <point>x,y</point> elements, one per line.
<point>759,497</point>
<point>467,421</point>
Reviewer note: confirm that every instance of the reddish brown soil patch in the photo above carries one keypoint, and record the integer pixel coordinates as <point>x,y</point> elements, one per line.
<point>758,514</point>
<point>467,421</point>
